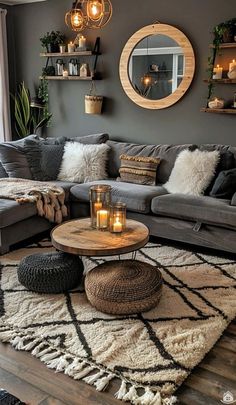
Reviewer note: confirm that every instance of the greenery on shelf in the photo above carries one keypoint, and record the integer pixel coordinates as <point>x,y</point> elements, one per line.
<point>51,40</point>
<point>28,117</point>
<point>223,32</point>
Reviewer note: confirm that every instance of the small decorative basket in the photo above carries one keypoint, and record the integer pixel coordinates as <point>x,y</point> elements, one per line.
<point>93,102</point>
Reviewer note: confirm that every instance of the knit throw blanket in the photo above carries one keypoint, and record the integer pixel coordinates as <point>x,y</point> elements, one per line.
<point>49,198</point>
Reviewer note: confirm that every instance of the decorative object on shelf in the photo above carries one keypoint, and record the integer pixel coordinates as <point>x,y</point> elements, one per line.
<point>93,102</point>
<point>117,217</point>
<point>71,47</point>
<point>82,42</point>
<point>216,103</point>
<point>73,67</point>
<point>62,48</point>
<point>28,118</point>
<point>225,31</point>
<point>60,67</point>
<point>65,73</point>
<point>52,40</point>
<point>232,70</point>
<point>84,70</point>
<point>100,201</point>
<point>88,14</point>
<point>155,91</point>
<point>48,70</point>
<point>217,72</point>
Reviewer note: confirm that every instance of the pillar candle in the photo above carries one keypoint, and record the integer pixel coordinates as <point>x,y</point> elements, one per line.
<point>71,47</point>
<point>102,219</point>
<point>217,72</point>
<point>232,65</point>
<point>82,41</point>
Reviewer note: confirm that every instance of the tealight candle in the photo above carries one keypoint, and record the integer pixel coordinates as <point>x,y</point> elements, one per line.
<point>71,47</point>
<point>102,219</point>
<point>217,72</point>
<point>82,42</point>
<point>65,73</point>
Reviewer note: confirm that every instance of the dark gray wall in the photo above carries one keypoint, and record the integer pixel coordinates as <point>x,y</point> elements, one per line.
<point>122,119</point>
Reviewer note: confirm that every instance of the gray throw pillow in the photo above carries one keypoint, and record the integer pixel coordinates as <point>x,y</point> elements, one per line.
<point>3,172</point>
<point>91,139</point>
<point>13,159</point>
<point>225,184</point>
<point>44,159</point>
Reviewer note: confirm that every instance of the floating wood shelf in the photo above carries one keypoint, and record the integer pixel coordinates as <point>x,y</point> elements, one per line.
<point>226,45</point>
<point>68,78</point>
<point>68,54</point>
<point>222,81</point>
<point>219,111</point>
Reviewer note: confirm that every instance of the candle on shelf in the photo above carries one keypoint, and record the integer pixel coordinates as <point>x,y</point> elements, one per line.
<point>71,47</point>
<point>232,65</point>
<point>65,73</point>
<point>217,72</point>
<point>117,226</point>
<point>216,103</point>
<point>82,42</point>
<point>102,219</point>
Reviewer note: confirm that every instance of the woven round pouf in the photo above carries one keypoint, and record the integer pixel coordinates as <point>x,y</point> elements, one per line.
<point>124,287</point>
<point>50,273</point>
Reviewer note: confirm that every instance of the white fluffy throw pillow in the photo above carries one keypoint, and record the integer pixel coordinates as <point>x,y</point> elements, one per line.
<point>192,172</point>
<point>84,163</point>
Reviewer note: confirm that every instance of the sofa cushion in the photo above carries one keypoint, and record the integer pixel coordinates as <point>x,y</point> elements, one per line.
<point>193,208</point>
<point>12,212</point>
<point>137,197</point>
<point>3,172</point>
<point>225,184</point>
<point>167,154</point>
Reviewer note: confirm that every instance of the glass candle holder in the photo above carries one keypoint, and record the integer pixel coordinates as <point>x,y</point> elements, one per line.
<point>117,217</point>
<point>100,200</point>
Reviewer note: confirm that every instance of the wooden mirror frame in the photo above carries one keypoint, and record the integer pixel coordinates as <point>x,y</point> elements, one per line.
<point>184,43</point>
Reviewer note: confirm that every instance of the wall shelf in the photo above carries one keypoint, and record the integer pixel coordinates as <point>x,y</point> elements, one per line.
<point>68,54</point>
<point>225,45</point>
<point>219,111</point>
<point>220,81</point>
<point>70,78</point>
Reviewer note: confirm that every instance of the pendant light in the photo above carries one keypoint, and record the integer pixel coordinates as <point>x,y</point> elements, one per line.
<point>147,79</point>
<point>75,18</point>
<point>89,14</point>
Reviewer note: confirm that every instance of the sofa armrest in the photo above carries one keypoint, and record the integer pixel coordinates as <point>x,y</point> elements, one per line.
<point>233,201</point>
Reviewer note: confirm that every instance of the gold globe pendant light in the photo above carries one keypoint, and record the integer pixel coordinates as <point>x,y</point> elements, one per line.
<point>99,13</point>
<point>76,18</point>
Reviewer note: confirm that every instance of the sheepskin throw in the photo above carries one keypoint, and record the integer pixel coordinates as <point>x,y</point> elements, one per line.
<point>150,354</point>
<point>192,172</point>
<point>49,198</point>
<point>84,163</point>
<point>138,169</point>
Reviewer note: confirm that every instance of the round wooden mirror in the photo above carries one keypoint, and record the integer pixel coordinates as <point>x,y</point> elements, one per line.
<point>157,66</point>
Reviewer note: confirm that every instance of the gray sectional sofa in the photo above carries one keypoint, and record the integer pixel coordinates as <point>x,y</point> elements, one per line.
<point>203,221</point>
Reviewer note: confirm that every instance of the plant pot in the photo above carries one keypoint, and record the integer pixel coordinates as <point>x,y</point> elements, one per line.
<point>48,71</point>
<point>93,104</point>
<point>53,48</point>
<point>228,36</point>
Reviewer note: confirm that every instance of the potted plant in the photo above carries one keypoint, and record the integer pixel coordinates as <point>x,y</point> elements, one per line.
<point>51,41</point>
<point>224,32</point>
<point>30,114</point>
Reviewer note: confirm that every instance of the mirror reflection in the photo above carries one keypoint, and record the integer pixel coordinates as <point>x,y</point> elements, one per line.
<point>156,67</point>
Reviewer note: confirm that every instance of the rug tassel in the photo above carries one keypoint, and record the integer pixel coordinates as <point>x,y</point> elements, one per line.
<point>6,336</point>
<point>38,348</point>
<point>92,378</point>
<point>63,363</point>
<point>131,395</point>
<point>75,366</point>
<point>146,398</point>
<point>49,356</point>
<point>169,401</point>
<point>103,382</point>
<point>122,391</point>
<point>31,345</point>
<point>17,343</point>
<point>83,373</point>
<point>43,352</point>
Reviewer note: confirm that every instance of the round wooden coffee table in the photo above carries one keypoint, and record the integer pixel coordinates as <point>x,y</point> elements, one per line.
<point>79,238</point>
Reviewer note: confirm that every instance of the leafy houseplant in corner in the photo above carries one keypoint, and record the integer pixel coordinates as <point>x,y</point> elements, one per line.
<point>29,116</point>
<point>51,41</point>
<point>224,32</point>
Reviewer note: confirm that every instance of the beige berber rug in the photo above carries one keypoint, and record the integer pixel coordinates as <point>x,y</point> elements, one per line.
<point>150,353</point>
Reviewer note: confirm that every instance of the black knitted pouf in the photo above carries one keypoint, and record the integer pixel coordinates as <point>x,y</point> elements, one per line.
<point>50,273</point>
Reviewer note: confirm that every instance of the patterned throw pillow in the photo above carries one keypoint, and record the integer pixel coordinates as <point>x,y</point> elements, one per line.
<point>138,169</point>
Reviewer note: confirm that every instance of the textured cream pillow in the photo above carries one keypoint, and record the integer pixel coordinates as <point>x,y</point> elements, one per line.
<point>192,172</point>
<point>84,163</point>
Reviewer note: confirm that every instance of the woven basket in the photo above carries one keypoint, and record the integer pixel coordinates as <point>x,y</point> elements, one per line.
<point>124,287</point>
<point>93,102</point>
